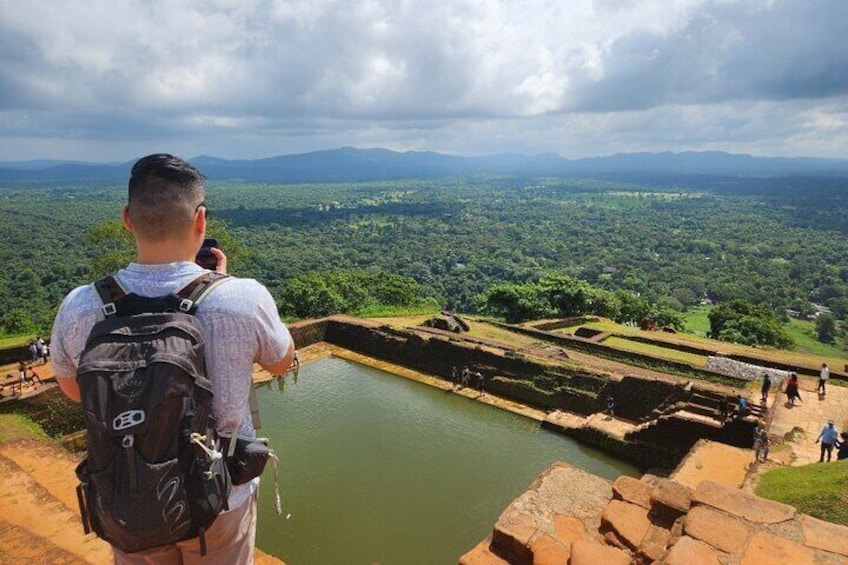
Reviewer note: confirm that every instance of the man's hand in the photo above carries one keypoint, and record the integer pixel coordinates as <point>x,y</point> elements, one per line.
<point>222,260</point>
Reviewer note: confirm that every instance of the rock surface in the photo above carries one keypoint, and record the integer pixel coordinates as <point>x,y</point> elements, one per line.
<point>569,517</point>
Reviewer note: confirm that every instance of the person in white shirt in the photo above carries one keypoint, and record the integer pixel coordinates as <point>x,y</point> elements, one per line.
<point>823,376</point>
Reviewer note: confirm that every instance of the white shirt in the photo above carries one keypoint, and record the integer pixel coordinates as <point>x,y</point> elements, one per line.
<point>240,325</point>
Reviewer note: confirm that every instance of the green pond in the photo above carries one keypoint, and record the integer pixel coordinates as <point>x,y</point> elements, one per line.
<point>377,469</point>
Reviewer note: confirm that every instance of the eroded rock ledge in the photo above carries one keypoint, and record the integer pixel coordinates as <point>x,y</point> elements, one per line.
<point>569,516</point>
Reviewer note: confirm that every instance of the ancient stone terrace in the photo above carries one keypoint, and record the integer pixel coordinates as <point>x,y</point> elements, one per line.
<point>571,517</point>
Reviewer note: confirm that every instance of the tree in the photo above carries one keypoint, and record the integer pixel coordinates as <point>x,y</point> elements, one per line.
<point>516,303</point>
<point>826,328</point>
<point>322,293</point>
<point>740,321</point>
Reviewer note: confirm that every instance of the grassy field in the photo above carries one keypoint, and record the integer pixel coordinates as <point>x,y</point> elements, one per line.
<point>15,426</point>
<point>819,489</point>
<point>696,320</point>
<point>803,333</point>
<point>809,352</point>
<point>15,340</point>
<point>656,351</point>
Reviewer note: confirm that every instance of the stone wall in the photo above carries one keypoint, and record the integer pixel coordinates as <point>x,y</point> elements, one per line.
<point>745,371</point>
<point>13,354</point>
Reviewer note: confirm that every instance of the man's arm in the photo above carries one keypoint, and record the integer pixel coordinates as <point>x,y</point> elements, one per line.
<point>281,366</point>
<point>70,387</point>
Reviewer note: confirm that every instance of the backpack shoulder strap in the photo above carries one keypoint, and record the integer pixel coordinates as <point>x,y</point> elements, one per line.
<point>191,294</point>
<point>110,292</point>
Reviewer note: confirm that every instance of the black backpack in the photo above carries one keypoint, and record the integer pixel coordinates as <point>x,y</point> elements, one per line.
<point>155,472</point>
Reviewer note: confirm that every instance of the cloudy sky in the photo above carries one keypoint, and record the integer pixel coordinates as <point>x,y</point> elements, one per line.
<point>113,79</point>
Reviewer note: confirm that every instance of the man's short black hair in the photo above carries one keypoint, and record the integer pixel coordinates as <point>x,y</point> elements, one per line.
<point>165,167</point>
<point>164,194</point>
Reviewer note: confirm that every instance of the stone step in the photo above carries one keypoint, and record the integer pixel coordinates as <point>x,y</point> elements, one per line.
<point>561,420</point>
<point>702,410</point>
<point>49,465</point>
<point>19,545</point>
<point>30,506</point>
<point>692,417</point>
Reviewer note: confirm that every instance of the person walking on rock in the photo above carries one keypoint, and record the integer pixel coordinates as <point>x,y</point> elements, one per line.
<point>792,389</point>
<point>828,438</point>
<point>610,409</point>
<point>761,443</point>
<point>764,390</point>
<point>824,374</point>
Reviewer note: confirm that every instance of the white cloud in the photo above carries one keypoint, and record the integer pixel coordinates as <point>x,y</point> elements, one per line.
<point>258,77</point>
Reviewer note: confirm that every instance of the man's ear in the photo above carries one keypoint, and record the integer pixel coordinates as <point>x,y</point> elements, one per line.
<point>199,224</point>
<point>125,218</point>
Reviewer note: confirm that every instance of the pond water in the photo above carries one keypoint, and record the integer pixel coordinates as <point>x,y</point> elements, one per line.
<point>377,469</point>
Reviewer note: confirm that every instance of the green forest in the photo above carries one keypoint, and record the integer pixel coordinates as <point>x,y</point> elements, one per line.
<point>775,243</point>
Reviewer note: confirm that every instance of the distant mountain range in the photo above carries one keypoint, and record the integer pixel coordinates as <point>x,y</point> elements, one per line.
<point>350,164</point>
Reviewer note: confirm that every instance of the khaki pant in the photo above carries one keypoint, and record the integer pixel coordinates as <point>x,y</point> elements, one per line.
<point>229,541</point>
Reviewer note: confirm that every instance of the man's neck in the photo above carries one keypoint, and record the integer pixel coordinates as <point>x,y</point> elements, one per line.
<point>157,253</point>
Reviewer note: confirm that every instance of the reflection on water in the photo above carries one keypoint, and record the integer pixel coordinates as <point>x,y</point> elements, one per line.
<point>378,469</point>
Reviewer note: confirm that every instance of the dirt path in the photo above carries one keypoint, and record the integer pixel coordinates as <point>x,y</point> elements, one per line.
<point>800,425</point>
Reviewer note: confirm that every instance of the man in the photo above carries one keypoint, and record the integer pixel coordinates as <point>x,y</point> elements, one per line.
<point>761,443</point>
<point>824,374</point>
<point>828,438</point>
<point>166,212</point>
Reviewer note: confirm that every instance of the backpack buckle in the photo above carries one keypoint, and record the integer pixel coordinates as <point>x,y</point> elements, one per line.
<point>109,309</point>
<point>186,305</point>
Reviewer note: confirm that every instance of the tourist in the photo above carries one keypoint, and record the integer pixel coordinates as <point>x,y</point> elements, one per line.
<point>610,409</point>
<point>34,377</point>
<point>22,371</point>
<point>45,353</point>
<point>792,389</point>
<point>724,409</point>
<point>33,350</point>
<point>454,378</point>
<point>481,381</point>
<point>842,446</point>
<point>824,374</point>
<point>466,375</point>
<point>761,443</point>
<point>828,438</point>
<point>764,390</point>
<point>167,214</point>
<point>743,408</point>
<point>295,360</point>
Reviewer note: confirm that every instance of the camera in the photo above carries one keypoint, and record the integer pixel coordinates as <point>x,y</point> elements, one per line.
<point>204,257</point>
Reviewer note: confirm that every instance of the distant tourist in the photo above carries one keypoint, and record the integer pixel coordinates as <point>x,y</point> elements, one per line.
<point>764,390</point>
<point>454,377</point>
<point>842,453</point>
<point>723,409</point>
<point>22,371</point>
<point>761,443</point>
<point>33,350</point>
<point>743,408</point>
<point>792,389</point>
<point>45,353</point>
<point>481,381</point>
<point>34,377</point>
<point>610,409</point>
<point>824,374</point>
<point>466,375</point>
<point>296,360</point>
<point>828,438</point>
